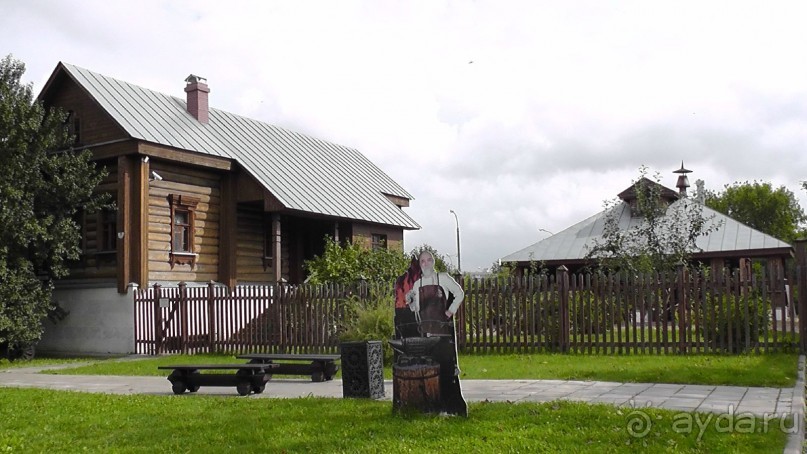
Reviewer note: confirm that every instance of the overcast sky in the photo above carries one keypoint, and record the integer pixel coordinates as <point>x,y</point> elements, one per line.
<point>522,117</point>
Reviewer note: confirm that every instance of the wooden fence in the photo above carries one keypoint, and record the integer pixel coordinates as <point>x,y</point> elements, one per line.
<point>679,312</point>
<point>683,312</point>
<point>251,319</point>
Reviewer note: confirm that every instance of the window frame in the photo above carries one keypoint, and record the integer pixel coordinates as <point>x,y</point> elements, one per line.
<point>180,203</point>
<point>379,241</point>
<point>73,124</point>
<point>268,243</point>
<point>108,230</point>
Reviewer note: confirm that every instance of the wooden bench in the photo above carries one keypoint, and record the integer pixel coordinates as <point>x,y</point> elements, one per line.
<point>247,377</point>
<point>319,367</point>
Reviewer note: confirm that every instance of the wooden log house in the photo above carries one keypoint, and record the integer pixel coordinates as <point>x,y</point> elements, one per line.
<point>202,195</point>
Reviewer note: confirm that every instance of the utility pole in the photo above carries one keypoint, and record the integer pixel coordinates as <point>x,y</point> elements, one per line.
<point>459,261</point>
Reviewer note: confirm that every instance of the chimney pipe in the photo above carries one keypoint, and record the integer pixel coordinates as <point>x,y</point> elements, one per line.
<point>683,180</point>
<point>197,90</point>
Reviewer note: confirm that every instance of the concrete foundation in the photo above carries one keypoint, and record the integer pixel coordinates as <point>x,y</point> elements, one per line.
<point>100,321</point>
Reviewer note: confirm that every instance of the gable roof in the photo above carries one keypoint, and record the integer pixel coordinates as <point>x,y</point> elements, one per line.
<point>664,192</point>
<point>302,172</point>
<point>730,239</point>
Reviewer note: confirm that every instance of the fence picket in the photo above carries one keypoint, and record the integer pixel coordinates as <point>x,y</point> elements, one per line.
<point>587,311</point>
<point>648,321</point>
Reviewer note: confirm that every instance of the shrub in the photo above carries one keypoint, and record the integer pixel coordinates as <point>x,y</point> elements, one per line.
<point>352,262</point>
<point>593,314</point>
<point>371,320</point>
<point>723,321</point>
<point>588,314</point>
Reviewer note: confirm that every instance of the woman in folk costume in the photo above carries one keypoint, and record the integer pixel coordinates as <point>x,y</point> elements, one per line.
<point>430,295</point>
<point>434,299</point>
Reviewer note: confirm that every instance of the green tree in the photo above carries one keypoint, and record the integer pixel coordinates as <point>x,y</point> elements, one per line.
<point>501,270</point>
<point>351,263</point>
<point>758,205</point>
<point>45,184</point>
<point>664,236</point>
<point>505,270</point>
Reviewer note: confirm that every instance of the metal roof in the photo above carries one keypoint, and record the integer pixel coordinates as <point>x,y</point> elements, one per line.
<point>302,172</point>
<point>575,242</point>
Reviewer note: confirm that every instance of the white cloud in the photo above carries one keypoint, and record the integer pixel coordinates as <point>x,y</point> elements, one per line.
<point>519,116</point>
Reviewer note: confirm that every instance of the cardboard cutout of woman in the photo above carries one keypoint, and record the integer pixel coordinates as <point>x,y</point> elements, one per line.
<point>432,299</point>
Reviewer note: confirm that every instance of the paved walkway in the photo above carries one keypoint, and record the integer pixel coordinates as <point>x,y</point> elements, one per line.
<point>715,399</point>
<point>736,400</point>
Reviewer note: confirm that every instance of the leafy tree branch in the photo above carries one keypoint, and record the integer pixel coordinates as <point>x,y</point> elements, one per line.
<point>651,230</point>
<point>45,185</point>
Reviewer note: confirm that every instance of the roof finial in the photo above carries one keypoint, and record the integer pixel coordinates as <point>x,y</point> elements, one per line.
<point>683,181</point>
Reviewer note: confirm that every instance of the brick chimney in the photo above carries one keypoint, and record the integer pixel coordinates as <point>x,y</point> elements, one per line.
<point>197,90</point>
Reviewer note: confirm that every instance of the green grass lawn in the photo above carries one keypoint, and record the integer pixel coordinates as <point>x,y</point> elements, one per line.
<point>770,370</point>
<point>44,361</point>
<point>58,421</point>
<point>45,420</point>
<point>773,370</point>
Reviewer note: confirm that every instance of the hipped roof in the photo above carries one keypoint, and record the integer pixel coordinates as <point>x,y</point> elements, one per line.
<point>731,238</point>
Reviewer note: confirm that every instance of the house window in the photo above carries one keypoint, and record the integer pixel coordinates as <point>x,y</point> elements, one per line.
<point>379,241</point>
<point>634,208</point>
<point>73,124</point>
<point>181,234</point>
<point>268,244</point>
<point>108,220</point>
<point>183,214</point>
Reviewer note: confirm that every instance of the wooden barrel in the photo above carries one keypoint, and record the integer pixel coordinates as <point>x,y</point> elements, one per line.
<point>416,387</point>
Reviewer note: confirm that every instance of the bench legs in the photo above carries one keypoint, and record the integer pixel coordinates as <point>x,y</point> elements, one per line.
<point>323,370</point>
<point>182,380</point>
<point>245,381</point>
<point>251,381</point>
<point>243,388</point>
<point>178,387</point>
<point>319,371</point>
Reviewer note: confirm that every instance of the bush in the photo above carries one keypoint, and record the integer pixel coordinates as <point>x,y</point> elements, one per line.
<point>351,263</point>
<point>24,303</point>
<point>588,314</point>
<point>373,320</point>
<point>593,314</point>
<point>723,320</point>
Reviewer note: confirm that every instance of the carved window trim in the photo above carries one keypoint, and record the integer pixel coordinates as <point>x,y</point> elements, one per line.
<point>183,229</point>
